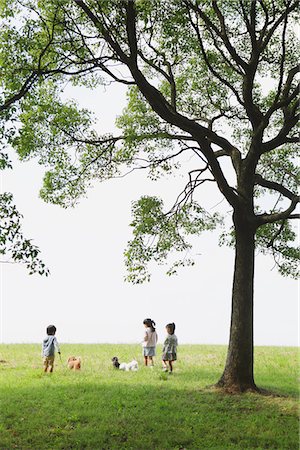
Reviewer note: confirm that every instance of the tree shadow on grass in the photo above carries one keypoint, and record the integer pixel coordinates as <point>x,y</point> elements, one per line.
<point>207,379</point>
<point>73,413</point>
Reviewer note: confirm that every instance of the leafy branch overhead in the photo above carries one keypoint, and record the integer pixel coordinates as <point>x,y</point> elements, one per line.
<point>213,82</point>
<point>157,233</point>
<point>13,245</point>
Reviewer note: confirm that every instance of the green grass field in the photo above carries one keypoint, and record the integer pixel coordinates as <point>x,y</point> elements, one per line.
<point>102,408</point>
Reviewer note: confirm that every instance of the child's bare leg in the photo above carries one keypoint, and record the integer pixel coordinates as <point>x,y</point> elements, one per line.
<point>51,366</point>
<point>151,361</point>
<point>146,360</point>
<point>171,366</point>
<point>164,363</point>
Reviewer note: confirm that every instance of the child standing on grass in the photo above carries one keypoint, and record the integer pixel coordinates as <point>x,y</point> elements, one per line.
<point>48,348</point>
<point>149,342</point>
<point>170,348</point>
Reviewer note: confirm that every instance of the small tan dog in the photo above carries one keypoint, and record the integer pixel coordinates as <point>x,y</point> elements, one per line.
<point>74,362</point>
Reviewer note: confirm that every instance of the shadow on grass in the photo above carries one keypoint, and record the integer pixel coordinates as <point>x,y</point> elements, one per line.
<point>279,388</point>
<point>69,412</point>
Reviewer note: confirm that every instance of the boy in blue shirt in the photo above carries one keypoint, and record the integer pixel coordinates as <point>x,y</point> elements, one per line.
<point>49,346</point>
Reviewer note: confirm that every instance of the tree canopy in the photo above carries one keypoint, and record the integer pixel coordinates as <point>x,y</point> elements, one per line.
<point>14,246</point>
<point>221,68</point>
<point>212,80</point>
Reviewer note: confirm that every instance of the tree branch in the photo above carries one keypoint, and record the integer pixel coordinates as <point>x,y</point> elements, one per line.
<point>289,9</point>
<point>271,243</point>
<point>283,103</point>
<point>275,217</point>
<point>141,137</point>
<point>276,187</point>
<point>292,140</point>
<point>281,70</point>
<point>201,134</point>
<point>24,89</point>
<point>250,24</point>
<point>281,137</point>
<point>131,29</point>
<point>106,35</point>
<point>262,219</point>
<point>266,23</point>
<point>210,66</point>
<point>223,34</point>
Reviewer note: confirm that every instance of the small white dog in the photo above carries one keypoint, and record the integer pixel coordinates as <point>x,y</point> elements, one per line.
<point>133,365</point>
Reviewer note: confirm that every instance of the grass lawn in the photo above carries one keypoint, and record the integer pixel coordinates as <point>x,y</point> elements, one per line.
<point>103,408</point>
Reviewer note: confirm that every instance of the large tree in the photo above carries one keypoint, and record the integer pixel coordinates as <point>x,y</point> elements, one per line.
<point>212,79</point>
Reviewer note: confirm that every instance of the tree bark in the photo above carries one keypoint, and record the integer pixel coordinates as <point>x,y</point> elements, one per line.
<point>238,372</point>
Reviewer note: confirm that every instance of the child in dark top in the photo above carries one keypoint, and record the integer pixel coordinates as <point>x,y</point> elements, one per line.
<point>170,348</point>
<point>49,346</point>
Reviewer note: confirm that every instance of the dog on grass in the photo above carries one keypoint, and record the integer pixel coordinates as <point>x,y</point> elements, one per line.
<point>115,362</point>
<point>133,365</point>
<point>74,362</point>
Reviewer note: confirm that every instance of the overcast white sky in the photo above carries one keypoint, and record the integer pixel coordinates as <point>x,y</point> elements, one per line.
<point>86,297</point>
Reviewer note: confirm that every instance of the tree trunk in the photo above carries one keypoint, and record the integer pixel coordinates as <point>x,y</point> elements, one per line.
<point>238,372</point>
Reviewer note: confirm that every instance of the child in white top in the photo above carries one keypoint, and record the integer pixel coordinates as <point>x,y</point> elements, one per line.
<point>149,342</point>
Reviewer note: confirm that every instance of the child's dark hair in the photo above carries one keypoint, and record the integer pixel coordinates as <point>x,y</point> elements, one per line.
<point>171,327</point>
<point>51,330</point>
<point>150,323</point>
